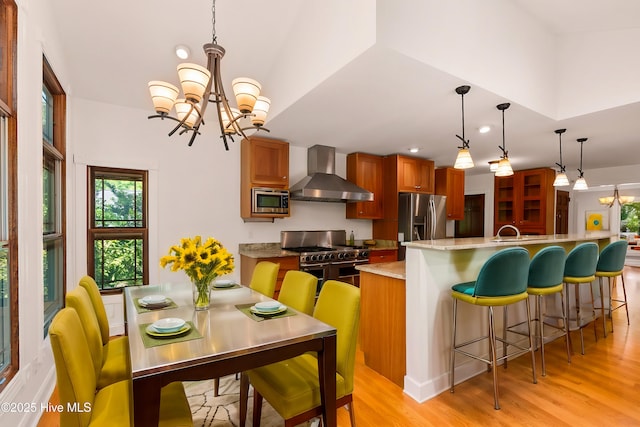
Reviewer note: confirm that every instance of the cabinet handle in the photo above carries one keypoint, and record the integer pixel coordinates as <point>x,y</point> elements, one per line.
<point>418,187</point>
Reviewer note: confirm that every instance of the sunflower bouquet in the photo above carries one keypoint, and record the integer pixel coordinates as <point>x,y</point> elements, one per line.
<point>202,262</point>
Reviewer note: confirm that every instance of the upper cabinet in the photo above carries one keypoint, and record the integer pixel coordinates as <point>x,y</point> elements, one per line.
<point>268,161</point>
<point>365,170</point>
<point>525,200</point>
<point>264,163</point>
<point>414,174</point>
<point>450,183</point>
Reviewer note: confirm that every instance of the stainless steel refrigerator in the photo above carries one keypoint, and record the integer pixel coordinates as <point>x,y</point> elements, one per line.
<point>421,217</point>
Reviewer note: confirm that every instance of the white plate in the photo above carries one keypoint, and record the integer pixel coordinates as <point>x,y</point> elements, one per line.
<point>169,324</point>
<point>224,283</point>
<point>278,310</point>
<point>153,305</point>
<point>267,305</point>
<point>153,299</point>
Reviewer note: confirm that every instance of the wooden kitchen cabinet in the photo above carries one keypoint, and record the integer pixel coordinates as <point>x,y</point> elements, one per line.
<point>414,175</point>
<point>525,200</point>
<point>450,182</point>
<point>365,170</point>
<point>402,174</point>
<point>383,255</point>
<point>263,163</point>
<point>248,264</point>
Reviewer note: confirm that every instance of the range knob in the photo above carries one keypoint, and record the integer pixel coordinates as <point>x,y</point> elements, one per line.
<point>364,254</point>
<point>331,256</point>
<point>341,255</point>
<point>312,257</point>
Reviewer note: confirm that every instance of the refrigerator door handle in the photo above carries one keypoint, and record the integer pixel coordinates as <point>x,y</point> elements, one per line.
<point>432,209</point>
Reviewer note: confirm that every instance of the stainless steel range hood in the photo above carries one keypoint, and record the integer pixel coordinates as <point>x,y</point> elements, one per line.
<point>322,184</point>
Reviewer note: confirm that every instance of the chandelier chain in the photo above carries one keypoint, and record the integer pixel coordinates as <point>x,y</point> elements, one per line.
<point>214,37</point>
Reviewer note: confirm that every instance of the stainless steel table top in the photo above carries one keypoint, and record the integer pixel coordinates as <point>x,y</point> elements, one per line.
<point>226,331</point>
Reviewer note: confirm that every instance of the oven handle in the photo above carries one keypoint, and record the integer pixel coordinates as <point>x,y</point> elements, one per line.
<point>312,266</point>
<point>353,261</point>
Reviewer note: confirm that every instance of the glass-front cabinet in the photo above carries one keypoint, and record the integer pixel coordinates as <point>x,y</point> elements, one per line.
<point>525,200</point>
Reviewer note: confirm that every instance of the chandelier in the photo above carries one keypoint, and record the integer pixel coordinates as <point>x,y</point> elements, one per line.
<point>201,86</point>
<point>610,200</point>
<point>463,160</point>
<point>504,166</point>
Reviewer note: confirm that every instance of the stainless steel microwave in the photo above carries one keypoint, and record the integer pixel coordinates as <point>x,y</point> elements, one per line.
<point>269,200</point>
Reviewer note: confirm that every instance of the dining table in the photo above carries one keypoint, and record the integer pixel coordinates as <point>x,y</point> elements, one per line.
<point>224,340</point>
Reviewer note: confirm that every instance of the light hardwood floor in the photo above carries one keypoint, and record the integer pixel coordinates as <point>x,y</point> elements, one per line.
<point>601,388</point>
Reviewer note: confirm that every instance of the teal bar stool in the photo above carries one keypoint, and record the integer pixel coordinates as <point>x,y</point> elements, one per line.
<point>546,273</point>
<point>610,265</point>
<point>580,269</point>
<point>502,280</point>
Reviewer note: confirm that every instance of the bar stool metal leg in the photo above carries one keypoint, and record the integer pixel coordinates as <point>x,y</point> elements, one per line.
<point>492,344</point>
<point>452,363</point>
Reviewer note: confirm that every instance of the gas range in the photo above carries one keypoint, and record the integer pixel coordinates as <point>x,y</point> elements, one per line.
<point>331,255</point>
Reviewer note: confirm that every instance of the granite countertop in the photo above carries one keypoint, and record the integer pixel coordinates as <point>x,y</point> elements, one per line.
<point>489,242</point>
<point>395,269</point>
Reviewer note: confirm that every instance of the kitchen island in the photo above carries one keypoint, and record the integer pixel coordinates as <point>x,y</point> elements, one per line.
<point>432,267</point>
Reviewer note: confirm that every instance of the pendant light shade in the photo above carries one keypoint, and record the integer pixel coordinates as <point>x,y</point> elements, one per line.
<point>463,160</point>
<point>246,91</point>
<point>581,183</point>
<point>493,165</point>
<point>193,79</point>
<point>504,166</point>
<point>561,178</point>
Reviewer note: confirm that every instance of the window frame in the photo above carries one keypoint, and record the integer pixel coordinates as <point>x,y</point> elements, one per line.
<point>8,49</point>
<point>54,151</point>
<point>114,233</point>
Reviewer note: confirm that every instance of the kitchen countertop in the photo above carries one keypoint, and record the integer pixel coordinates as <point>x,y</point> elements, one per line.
<point>395,269</point>
<point>488,242</point>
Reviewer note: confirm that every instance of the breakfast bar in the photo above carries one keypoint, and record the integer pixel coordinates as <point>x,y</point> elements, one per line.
<point>432,267</point>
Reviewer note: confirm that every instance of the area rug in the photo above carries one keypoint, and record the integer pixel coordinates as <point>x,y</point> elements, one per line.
<point>222,411</point>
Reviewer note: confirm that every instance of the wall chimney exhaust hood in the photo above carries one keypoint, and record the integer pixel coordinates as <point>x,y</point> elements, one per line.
<point>322,184</point>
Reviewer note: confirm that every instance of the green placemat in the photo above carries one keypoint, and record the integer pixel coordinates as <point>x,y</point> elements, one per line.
<point>245,308</point>
<point>141,309</point>
<point>235,286</point>
<point>150,341</point>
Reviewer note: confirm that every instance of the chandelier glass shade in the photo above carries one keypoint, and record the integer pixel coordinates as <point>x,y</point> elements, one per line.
<point>203,85</point>
<point>561,178</point>
<point>504,166</point>
<point>610,200</point>
<point>581,183</point>
<point>463,159</point>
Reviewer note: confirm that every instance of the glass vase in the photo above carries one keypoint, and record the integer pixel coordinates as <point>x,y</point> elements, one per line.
<point>201,294</point>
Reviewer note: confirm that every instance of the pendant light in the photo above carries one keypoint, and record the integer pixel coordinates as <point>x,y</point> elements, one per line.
<point>504,167</point>
<point>581,183</point>
<point>463,160</point>
<point>561,178</point>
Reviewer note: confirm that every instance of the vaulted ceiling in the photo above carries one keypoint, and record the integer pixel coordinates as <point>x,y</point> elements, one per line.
<point>380,76</point>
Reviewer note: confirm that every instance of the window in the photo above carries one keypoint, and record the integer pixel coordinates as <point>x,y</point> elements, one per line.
<point>53,193</point>
<point>629,217</point>
<point>118,253</point>
<point>9,360</point>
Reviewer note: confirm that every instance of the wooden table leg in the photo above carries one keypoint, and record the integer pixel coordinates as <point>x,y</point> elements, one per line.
<point>145,404</point>
<point>327,374</point>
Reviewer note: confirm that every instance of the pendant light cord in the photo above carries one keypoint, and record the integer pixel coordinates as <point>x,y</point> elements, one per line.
<point>561,165</point>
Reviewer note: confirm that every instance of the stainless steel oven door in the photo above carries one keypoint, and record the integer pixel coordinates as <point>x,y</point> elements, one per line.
<point>321,271</point>
<point>345,271</point>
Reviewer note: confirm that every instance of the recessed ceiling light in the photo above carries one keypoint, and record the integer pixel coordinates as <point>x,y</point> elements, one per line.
<point>182,51</point>
<point>414,150</point>
<point>484,129</point>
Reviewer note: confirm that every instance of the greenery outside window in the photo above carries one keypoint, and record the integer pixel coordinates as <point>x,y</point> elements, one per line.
<point>630,217</point>
<point>53,193</point>
<point>118,236</point>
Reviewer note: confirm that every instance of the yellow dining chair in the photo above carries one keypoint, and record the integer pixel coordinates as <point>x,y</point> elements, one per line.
<point>298,291</point>
<point>264,278</point>
<point>108,368</point>
<point>77,383</point>
<point>292,386</point>
<point>114,348</point>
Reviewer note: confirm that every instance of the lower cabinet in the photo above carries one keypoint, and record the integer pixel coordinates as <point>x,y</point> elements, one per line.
<point>248,264</point>
<point>383,255</point>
